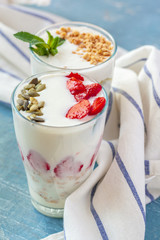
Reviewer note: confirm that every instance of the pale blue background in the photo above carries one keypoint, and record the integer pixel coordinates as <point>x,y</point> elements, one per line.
<point>132,23</point>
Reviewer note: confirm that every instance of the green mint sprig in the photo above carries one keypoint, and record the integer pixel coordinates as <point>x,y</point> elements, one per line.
<point>41,47</point>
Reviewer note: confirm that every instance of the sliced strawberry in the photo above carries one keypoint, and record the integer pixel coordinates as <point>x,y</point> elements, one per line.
<point>91,90</point>
<point>67,168</point>
<point>75,86</point>
<point>37,161</point>
<point>97,105</point>
<point>79,110</point>
<point>76,75</point>
<point>81,96</point>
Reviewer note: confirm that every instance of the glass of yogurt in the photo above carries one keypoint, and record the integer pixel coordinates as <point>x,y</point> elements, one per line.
<point>87,49</point>
<point>59,132</point>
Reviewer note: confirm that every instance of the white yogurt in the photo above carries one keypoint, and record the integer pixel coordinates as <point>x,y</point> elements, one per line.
<point>65,58</point>
<point>58,100</point>
<point>57,159</point>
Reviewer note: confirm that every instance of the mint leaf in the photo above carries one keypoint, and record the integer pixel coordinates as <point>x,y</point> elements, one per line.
<point>41,51</point>
<point>42,44</point>
<point>50,38</point>
<point>28,37</point>
<point>61,41</point>
<point>54,43</point>
<point>53,51</point>
<point>41,47</point>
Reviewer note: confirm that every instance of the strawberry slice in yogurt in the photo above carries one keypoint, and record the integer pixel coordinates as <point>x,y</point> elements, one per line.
<point>38,163</point>
<point>68,168</point>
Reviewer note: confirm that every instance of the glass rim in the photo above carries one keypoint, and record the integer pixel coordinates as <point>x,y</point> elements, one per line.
<point>74,23</point>
<point>49,126</point>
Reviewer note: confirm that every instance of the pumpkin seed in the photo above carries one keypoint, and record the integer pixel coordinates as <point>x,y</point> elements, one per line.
<point>38,119</point>
<point>20,101</point>
<point>34,107</point>
<point>40,87</point>
<point>20,96</point>
<point>41,104</point>
<point>38,113</point>
<point>34,81</point>
<point>33,94</point>
<point>32,116</point>
<point>29,86</point>
<point>19,107</point>
<point>33,100</point>
<point>25,105</point>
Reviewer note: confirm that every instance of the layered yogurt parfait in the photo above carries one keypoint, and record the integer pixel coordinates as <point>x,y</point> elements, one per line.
<point>59,121</point>
<point>87,49</point>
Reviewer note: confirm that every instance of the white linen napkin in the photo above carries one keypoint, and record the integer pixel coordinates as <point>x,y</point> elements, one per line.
<point>111,203</point>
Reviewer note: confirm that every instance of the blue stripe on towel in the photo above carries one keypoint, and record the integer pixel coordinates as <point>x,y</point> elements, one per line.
<point>135,104</point>
<point>131,184</point>
<point>146,165</point>
<point>32,14</point>
<point>110,102</point>
<point>112,148</point>
<point>10,74</point>
<point>133,63</point>
<point>96,217</point>
<point>15,46</point>
<point>156,97</point>
<point>148,194</point>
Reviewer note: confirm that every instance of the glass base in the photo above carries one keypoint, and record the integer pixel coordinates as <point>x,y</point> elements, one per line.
<point>50,212</point>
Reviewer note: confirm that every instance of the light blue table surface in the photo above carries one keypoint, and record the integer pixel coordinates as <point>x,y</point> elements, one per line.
<point>133,24</point>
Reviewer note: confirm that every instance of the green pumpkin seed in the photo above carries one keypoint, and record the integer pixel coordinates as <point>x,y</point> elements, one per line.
<point>34,107</point>
<point>20,102</point>
<point>40,87</point>
<point>29,86</point>
<point>34,81</point>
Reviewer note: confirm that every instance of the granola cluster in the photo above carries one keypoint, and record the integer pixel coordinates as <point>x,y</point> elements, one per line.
<point>93,48</point>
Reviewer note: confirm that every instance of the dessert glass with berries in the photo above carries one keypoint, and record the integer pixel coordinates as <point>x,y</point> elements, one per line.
<point>87,49</point>
<point>59,120</point>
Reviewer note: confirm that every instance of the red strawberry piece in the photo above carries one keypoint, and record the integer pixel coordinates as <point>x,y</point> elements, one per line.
<point>67,168</point>
<point>97,105</point>
<point>38,163</point>
<point>79,110</point>
<point>75,86</point>
<point>81,96</point>
<point>93,89</point>
<point>76,75</point>
<point>90,91</point>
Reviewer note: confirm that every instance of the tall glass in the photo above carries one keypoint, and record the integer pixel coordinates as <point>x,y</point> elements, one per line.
<point>71,151</point>
<point>101,72</point>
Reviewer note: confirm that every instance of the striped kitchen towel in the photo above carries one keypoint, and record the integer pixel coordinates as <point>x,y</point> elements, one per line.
<point>14,55</point>
<point>111,203</point>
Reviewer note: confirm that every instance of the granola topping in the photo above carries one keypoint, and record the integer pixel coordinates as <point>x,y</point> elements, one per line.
<point>93,48</point>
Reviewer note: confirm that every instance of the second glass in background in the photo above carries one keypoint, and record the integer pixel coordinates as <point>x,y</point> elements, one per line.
<point>101,72</point>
